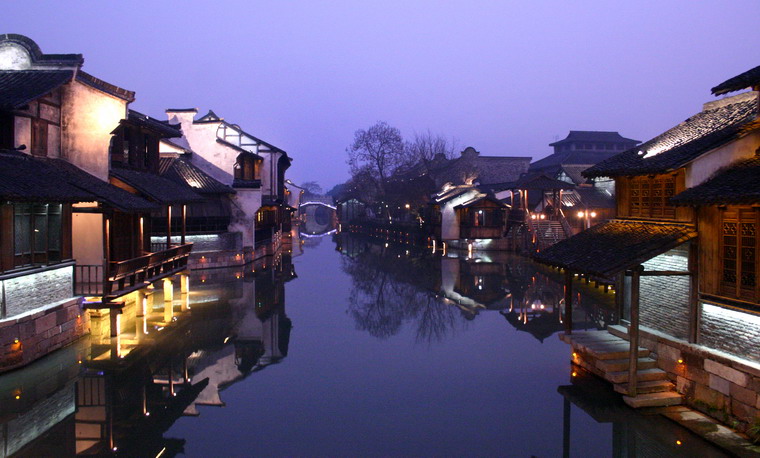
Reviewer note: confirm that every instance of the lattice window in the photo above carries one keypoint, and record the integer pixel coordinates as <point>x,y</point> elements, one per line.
<point>739,251</point>
<point>649,197</point>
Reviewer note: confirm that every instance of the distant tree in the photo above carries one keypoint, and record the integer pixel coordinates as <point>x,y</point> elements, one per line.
<point>426,146</point>
<point>377,150</point>
<point>312,188</point>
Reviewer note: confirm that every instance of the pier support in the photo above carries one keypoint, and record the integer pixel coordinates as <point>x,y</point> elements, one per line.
<point>140,303</point>
<point>633,332</point>
<point>168,299</point>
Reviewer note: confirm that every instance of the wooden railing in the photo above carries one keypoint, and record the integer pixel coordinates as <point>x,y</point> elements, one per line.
<point>131,274</point>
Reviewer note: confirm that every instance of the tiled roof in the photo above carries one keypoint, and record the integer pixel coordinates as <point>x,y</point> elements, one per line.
<point>479,198</point>
<point>542,182</point>
<point>612,247</point>
<point>737,184</point>
<point>103,86</point>
<point>718,124</point>
<point>101,190</point>
<point>575,172</point>
<point>185,173</point>
<point>571,158</point>
<point>27,179</point>
<point>747,79</point>
<point>592,136</point>
<point>485,169</point>
<point>156,188</point>
<point>164,128</point>
<point>19,87</point>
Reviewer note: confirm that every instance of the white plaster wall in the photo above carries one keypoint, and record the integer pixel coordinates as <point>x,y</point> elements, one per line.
<point>14,57</point>
<point>88,117</point>
<point>449,275</point>
<point>218,161</point>
<point>449,220</point>
<point>87,238</point>
<point>705,166</point>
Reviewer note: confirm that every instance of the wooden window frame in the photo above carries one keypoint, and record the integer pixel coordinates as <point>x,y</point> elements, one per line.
<point>739,248</point>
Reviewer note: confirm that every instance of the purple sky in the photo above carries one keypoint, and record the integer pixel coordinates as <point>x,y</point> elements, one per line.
<point>505,77</point>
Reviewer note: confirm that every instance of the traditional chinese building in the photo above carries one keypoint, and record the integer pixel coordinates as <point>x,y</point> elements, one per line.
<point>253,168</point>
<point>71,227</point>
<point>682,254</point>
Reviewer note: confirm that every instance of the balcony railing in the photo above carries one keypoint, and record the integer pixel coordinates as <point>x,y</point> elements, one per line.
<point>132,274</point>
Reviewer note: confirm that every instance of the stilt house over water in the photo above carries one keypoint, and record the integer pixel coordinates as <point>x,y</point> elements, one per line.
<point>79,181</point>
<point>683,252</point>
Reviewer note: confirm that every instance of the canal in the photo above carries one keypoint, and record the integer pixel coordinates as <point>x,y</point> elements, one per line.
<point>346,346</point>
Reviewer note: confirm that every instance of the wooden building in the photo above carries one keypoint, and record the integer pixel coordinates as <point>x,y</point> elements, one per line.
<point>682,253</point>
<point>68,230</point>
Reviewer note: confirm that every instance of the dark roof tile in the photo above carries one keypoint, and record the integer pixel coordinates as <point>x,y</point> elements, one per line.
<point>744,80</point>
<point>185,173</point>
<point>103,86</point>
<point>164,128</point>
<point>25,178</point>
<point>615,246</point>
<point>156,188</point>
<point>593,136</point>
<point>19,87</point>
<point>736,184</point>
<point>718,124</point>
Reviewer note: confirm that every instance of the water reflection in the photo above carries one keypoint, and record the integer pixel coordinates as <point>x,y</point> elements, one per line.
<point>395,283</point>
<point>119,395</point>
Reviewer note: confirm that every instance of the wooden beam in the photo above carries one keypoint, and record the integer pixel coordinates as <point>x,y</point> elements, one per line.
<point>184,222</point>
<point>633,333</point>
<point>694,307</point>
<point>168,226</point>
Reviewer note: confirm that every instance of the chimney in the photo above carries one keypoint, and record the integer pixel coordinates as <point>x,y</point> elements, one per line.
<point>184,116</point>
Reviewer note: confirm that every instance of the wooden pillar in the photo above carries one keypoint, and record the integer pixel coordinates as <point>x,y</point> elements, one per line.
<point>168,226</point>
<point>633,332</point>
<point>141,235</point>
<point>184,223</point>
<point>695,310</point>
<point>568,302</point>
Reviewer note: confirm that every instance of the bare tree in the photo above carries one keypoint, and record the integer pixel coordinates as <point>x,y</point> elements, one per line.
<point>378,150</point>
<point>426,146</point>
<point>312,188</point>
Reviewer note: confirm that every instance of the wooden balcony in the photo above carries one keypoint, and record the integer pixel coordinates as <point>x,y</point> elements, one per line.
<point>132,274</point>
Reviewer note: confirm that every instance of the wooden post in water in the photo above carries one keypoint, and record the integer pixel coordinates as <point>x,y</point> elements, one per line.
<point>168,226</point>
<point>568,302</point>
<point>633,332</point>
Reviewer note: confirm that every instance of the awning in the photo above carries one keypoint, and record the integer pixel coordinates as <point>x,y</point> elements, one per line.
<point>156,188</point>
<point>615,246</point>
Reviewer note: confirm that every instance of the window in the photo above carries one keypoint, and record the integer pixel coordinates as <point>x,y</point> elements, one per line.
<point>246,168</point>
<point>480,218</point>
<point>649,197</point>
<point>37,233</point>
<point>739,252</point>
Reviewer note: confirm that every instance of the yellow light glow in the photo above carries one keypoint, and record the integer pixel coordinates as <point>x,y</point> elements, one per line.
<point>593,214</point>
<point>680,361</point>
<point>678,442</point>
<point>580,214</point>
<point>574,374</point>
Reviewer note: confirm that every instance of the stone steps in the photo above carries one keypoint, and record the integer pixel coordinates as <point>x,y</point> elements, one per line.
<point>652,386</point>
<point>662,399</point>
<point>643,375</point>
<point>616,365</point>
<point>606,353</point>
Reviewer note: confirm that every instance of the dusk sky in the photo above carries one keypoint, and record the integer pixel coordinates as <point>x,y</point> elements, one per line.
<point>504,77</point>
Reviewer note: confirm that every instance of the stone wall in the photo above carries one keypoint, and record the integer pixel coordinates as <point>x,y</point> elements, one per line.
<point>30,336</point>
<point>715,383</point>
<point>664,301</point>
<point>732,331</point>
<point>29,292</point>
